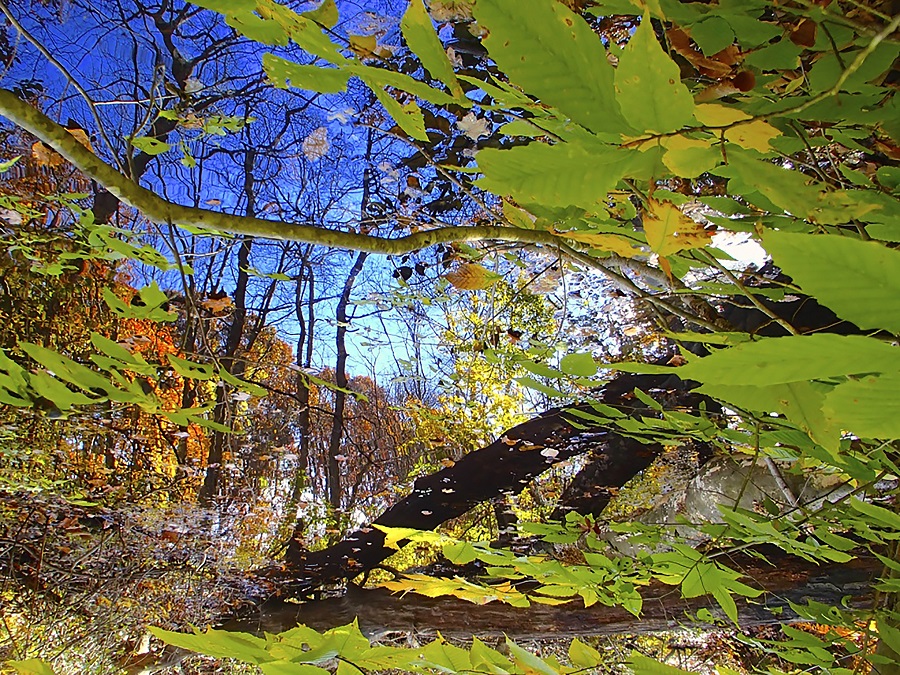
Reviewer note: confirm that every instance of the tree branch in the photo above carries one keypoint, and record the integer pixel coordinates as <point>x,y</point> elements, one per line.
<point>159,210</point>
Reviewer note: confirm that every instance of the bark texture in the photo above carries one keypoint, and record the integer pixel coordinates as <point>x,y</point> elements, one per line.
<point>785,580</point>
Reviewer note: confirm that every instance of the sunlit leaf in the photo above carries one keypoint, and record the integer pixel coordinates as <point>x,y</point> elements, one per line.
<point>866,291</point>
<point>31,667</point>
<point>570,70</point>
<point>150,145</point>
<point>644,665</point>
<point>418,31</point>
<point>644,67</point>
<point>326,14</point>
<point>581,365</point>
<point>311,78</point>
<point>190,369</point>
<point>669,231</point>
<point>794,358</point>
<point>218,643</point>
<point>604,241</point>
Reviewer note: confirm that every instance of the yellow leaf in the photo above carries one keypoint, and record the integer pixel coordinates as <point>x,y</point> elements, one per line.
<point>753,135</point>
<point>471,277</point>
<point>668,230</point>
<point>716,115</point>
<point>363,45</point>
<point>604,241</point>
<point>689,157</point>
<point>394,535</point>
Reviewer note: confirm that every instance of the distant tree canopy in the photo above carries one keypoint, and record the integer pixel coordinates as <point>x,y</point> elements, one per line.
<point>642,144</point>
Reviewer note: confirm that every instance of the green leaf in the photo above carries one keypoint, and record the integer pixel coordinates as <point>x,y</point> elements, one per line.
<point>540,369</point>
<point>531,383</point>
<point>67,369</point>
<point>726,602</point>
<point>794,358</point>
<point>146,305</point>
<point>565,174</point>
<point>190,369</point>
<point>888,176</point>
<point>713,34</point>
<point>783,55</point>
<point>48,387</point>
<point>31,667</point>
<point>326,14</point>
<point>408,116</point>
<point>889,634</point>
<point>869,406</point>
<point>150,145</point>
<point>827,69</point>
<point>881,516</point>
<point>250,25</point>
<point>748,29</point>
<point>218,643</point>
<point>648,85</point>
<point>580,365</point>
<point>291,668</point>
<point>460,552</point>
<point>418,31</point>
<point>688,158</point>
<point>6,166</point>
<point>528,662</point>
<point>384,658</point>
<point>13,377</point>
<point>766,185</point>
<point>444,657</point>
<point>485,658</point>
<point>866,290</point>
<point>800,402</point>
<point>117,351</point>
<point>311,78</point>
<point>583,655</point>
<point>552,53</point>
<point>644,665</point>
<point>380,78</point>
<point>243,385</point>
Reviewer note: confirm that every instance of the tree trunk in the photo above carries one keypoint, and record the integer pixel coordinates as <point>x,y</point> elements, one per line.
<point>341,380</point>
<point>306,284</point>
<point>219,440</point>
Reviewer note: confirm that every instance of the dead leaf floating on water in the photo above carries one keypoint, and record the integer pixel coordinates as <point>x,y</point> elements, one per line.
<point>217,305</point>
<point>473,127</point>
<point>316,145</point>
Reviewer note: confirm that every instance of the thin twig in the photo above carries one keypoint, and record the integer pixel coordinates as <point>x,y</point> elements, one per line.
<point>81,90</point>
<point>625,284</point>
<point>781,483</point>
<point>750,296</point>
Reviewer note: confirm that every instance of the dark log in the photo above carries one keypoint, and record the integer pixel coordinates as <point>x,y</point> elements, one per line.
<point>378,611</point>
<point>514,459</point>
<point>503,467</point>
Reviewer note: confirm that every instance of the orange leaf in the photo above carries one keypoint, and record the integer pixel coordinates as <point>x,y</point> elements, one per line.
<point>668,230</point>
<point>472,277</point>
<point>217,305</point>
